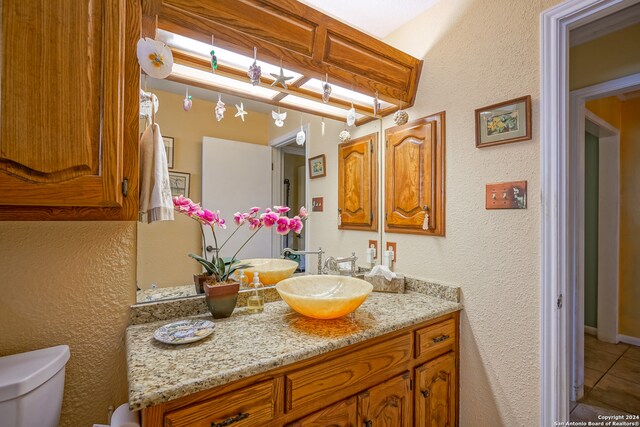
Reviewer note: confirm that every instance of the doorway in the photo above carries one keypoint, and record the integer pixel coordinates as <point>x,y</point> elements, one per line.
<point>561,186</point>
<point>291,188</point>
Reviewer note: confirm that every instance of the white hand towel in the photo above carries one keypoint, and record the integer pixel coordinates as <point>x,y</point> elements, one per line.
<point>156,203</point>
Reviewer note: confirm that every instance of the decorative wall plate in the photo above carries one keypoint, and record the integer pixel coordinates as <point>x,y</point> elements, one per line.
<point>184,331</point>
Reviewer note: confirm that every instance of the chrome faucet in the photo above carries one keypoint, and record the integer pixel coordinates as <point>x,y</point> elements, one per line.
<point>333,264</point>
<point>288,251</point>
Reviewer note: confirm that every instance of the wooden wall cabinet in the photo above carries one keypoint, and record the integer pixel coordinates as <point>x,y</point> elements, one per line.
<point>358,184</point>
<point>396,380</point>
<point>69,109</point>
<point>414,177</point>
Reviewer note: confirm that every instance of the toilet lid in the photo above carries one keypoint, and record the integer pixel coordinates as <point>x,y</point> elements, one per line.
<point>21,373</point>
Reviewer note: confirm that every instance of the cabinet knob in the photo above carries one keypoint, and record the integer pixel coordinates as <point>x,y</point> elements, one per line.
<point>368,423</point>
<point>425,393</point>
<point>229,421</point>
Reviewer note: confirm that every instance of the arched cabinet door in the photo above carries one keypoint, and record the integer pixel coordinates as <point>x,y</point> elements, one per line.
<point>358,184</point>
<point>63,105</point>
<point>414,177</point>
<point>436,386</point>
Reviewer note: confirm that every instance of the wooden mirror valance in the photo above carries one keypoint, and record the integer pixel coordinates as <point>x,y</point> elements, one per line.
<point>304,39</point>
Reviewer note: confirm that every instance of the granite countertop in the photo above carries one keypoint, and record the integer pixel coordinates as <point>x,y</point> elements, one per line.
<point>248,344</point>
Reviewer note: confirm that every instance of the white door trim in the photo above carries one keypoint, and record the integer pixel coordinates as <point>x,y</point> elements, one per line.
<point>557,165</point>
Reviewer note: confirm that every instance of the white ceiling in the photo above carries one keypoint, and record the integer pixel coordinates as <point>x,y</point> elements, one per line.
<point>378,18</point>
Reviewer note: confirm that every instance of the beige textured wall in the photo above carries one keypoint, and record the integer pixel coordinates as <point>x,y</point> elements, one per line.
<point>606,58</point>
<point>629,316</point>
<point>163,246</point>
<point>476,53</point>
<point>71,283</point>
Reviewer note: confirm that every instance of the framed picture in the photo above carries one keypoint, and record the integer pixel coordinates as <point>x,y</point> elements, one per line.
<point>317,166</point>
<point>179,182</point>
<point>503,123</point>
<point>168,146</point>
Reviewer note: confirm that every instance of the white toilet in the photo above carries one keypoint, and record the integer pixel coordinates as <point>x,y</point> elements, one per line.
<point>31,387</point>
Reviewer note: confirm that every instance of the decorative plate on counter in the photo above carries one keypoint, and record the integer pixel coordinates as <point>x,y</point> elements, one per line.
<point>184,331</point>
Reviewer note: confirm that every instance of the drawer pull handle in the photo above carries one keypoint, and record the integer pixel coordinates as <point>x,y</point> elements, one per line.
<point>231,420</point>
<point>441,338</point>
<point>425,393</point>
<point>368,423</point>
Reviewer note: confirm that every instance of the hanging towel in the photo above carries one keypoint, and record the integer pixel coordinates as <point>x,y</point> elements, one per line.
<point>156,203</point>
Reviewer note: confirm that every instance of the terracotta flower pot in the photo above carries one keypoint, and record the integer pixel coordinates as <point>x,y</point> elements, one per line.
<point>221,298</point>
<point>199,281</point>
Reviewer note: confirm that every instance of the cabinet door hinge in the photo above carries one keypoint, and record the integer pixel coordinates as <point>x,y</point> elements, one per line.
<point>559,302</point>
<point>371,216</point>
<point>125,187</point>
<point>371,147</point>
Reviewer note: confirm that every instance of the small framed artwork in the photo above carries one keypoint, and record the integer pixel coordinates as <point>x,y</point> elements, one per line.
<point>168,147</point>
<point>179,182</point>
<point>317,166</point>
<point>503,123</point>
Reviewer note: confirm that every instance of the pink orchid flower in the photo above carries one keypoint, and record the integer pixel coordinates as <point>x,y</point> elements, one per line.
<point>253,210</point>
<point>254,223</point>
<point>283,225</point>
<point>303,212</point>
<point>205,216</point>
<point>238,218</point>
<point>269,218</point>
<point>222,223</point>
<point>295,224</point>
<point>282,209</point>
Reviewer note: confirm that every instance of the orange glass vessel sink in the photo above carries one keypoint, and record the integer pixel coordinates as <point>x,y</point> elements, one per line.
<point>324,296</point>
<point>271,270</point>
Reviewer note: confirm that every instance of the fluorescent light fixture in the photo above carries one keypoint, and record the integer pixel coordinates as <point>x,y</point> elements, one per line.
<point>344,94</point>
<point>296,101</point>
<point>224,56</point>
<point>222,82</point>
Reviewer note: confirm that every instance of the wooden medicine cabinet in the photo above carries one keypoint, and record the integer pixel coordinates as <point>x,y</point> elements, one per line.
<point>358,184</point>
<point>414,177</point>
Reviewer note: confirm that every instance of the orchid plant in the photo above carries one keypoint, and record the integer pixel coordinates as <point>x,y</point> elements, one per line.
<point>222,268</point>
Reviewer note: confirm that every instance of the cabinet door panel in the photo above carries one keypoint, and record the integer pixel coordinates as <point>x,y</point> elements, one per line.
<point>357,184</point>
<point>342,414</point>
<point>387,404</point>
<point>414,180</point>
<point>435,393</point>
<point>62,102</point>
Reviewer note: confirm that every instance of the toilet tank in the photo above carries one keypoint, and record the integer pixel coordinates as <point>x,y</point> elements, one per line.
<point>31,387</point>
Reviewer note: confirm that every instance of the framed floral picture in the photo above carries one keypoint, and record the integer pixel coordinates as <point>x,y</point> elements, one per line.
<point>179,183</point>
<point>317,166</point>
<point>168,147</point>
<point>502,123</point>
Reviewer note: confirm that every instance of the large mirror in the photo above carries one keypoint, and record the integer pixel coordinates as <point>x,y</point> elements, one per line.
<point>231,165</point>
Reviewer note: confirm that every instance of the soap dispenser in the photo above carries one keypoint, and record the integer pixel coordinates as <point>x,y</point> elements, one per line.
<point>255,302</point>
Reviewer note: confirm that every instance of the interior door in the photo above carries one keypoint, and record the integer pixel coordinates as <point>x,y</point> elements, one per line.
<point>235,177</point>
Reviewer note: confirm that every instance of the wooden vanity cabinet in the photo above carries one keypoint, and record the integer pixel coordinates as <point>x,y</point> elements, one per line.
<point>68,144</point>
<point>392,380</point>
<point>414,177</point>
<point>358,184</point>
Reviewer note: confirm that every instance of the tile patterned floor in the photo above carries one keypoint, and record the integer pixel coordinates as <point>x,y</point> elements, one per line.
<point>611,380</point>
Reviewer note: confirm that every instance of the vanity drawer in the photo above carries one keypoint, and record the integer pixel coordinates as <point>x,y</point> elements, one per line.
<point>435,340</point>
<point>251,406</point>
<point>338,378</point>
